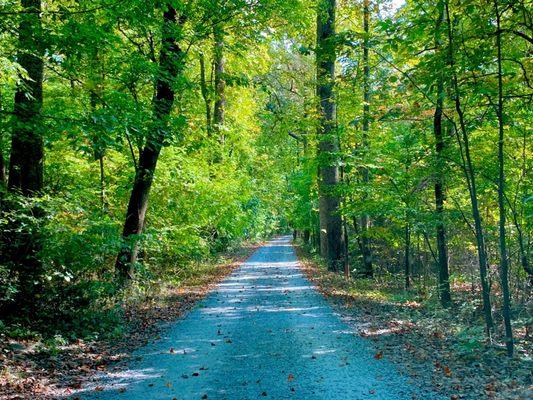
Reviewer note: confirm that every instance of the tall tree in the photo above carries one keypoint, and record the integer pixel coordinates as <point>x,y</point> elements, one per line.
<point>365,220</point>
<point>219,113</point>
<point>442,250</point>
<point>329,201</point>
<point>22,243</point>
<point>171,59</point>
<point>504,266</point>
<point>206,95</point>
<point>470,176</point>
<point>27,151</point>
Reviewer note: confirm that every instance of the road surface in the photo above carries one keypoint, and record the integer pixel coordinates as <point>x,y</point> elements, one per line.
<point>264,332</point>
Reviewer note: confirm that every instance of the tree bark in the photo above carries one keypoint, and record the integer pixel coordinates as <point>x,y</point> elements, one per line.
<point>205,95</point>
<point>471,183</point>
<point>22,243</point>
<point>407,259</point>
<point>331,247</point>
<point>3,172</point>
<point>3,176</point>
<point>368,269</point>
<point>219,113</point>
<point>442,251</point>
<point>27,151</point>
<point>170,66</point>
<point>504,267</point>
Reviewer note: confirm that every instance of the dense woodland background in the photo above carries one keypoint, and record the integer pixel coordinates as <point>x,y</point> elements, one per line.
<point>140,139</point>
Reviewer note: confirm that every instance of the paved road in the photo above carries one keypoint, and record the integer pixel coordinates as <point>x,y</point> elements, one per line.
<point>265,332</point>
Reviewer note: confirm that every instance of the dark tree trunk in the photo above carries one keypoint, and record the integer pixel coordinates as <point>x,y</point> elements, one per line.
<point>368,269</point>
<point>407,258</point>
<point>22,243</point>
<point>504,267</point>
<point>103,200</point>
<point>205,94</point>
<point>442,251</point>
<point>3,176</point>
<point>306,236</point>
<point>471,183</point>
<point>99,152</point>
<point>220,83</point>
<point>170,66</point>
<point>27,151</point>
<point>3,172</point>
<point>331,247</point>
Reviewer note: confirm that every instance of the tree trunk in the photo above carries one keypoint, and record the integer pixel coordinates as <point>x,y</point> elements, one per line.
<point>3,177</point>
<point>442,251</point>
<point>27,151</point>
<point>99,152</point>
<point>3,172</point>
<point>368,270</point>
<point>170,66</point>
<point>220,83</point>
<point>103,201</point>
<point>306,236</point>
<point>471,183</point>
<point>331,247</point>
<point>504,267</point>
<point>205,95</point>
<point>22,244</point>
<point>407,259</point>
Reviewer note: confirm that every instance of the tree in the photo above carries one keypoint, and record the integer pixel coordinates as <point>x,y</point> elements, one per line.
<point>470,176</point>
<point>171,59</point>
<point>329,202</point>
<point>504,267</point>
<point>21,240</point>
<point>442,250</point>
<point>365,220</point>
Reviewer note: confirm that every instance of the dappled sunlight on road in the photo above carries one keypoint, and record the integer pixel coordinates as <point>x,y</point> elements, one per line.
<point>264,330</point>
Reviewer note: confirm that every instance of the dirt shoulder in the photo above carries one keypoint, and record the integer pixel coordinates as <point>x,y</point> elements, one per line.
<point>30,370</point>
<point>428,344</point>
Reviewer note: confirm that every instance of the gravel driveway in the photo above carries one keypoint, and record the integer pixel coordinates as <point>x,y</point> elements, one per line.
<point>265,332</point>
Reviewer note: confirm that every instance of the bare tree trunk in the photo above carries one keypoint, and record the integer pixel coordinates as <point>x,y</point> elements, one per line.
<point>103,200</point>
<point>3,176</point>
<point>3,172</point>
<point>22,244</point>
<point>504,267</point>
<point>99,152</point>
<point>219,113</point>
<point>170,66</point>
<point>471,183</point>
<point>407,258</point>
<point>206,96</point>
<point>444,275</point>
<point>368,270</point>
<point>27,151</point>
<point>331,247</point>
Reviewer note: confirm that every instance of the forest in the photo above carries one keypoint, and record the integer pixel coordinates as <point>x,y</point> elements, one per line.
<point>145,143</point>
